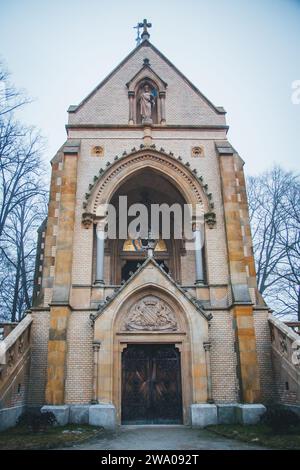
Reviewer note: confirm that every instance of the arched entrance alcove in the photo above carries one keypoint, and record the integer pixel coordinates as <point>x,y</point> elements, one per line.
<point>147,187</point>
<point>149,315</point>
<point>164,179</point>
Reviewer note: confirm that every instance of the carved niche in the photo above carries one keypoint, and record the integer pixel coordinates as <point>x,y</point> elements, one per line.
<point>97,151</point>
<point>197,151</point>
<point>151,314</point>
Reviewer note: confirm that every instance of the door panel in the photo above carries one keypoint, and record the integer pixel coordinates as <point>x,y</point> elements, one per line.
<point>151,384</point>
<point>135,389</point>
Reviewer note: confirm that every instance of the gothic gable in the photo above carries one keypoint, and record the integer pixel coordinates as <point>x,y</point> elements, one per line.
<point>151,277</point>
<point>108,103</point>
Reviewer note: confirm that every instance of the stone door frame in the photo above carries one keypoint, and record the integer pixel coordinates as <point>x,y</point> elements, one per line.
<point>111,336</point>
<point>180,341</point>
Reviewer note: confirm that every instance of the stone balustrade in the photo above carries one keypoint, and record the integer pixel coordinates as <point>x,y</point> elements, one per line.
<point>286,361</point>
<point>295,325</point>
<point>6,328</point>
<point>14,356</point>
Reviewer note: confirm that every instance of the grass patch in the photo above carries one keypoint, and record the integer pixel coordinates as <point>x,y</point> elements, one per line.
<point>20,437</point>
<point>260,434</point>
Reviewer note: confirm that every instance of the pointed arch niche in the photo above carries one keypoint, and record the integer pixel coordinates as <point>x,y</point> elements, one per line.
<point>146,77</point>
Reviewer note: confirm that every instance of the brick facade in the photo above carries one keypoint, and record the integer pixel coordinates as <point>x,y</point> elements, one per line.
<point>39,351</point>
<point>223,358</point>
<point>80,359</point>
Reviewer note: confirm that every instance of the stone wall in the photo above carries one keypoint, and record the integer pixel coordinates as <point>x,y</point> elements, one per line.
<point>79,368</point>
<point>264,356</point>
<point>39,351</point>
<point>17,393</point>
<point>223,358</point>
<point>285,355</point>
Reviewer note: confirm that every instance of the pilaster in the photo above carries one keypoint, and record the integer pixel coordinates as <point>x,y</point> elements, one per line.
<point>59,308</point>
<point>241,269</point>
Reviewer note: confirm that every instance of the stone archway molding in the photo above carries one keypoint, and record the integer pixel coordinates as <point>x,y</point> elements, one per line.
<point>180,174</point>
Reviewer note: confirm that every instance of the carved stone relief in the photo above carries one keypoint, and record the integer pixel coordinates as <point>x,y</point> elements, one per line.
<point>197,151</point>
<point>152,314</point>
<point>97,151</point>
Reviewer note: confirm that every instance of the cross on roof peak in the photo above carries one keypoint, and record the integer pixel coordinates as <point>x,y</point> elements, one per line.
<point>145,34</point>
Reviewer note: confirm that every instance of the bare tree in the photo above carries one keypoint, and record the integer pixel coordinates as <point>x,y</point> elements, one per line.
<point>274,207</point>
<point>18,253</point>
<point>20,167</point>
<point>10,98</point>
<point>21,202</point>
<point>291,243</point>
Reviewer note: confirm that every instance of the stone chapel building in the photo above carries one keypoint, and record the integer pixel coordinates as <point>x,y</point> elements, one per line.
<point>122,337</point>
<point>217,349</point>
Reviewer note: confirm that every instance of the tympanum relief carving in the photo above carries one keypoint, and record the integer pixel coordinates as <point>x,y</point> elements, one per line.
<point>151,314</point>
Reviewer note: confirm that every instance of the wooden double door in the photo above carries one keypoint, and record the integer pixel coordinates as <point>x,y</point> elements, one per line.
<point>151,384</point>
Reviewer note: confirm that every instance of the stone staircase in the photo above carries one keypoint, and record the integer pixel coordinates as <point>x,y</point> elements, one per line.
<point>285,339</point>
<point>14,372</point>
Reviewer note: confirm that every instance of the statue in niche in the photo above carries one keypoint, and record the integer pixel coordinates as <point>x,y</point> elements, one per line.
<point>147,103</point>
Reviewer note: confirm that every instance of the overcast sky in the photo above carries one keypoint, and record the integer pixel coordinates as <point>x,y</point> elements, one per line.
<point>243,55</point>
